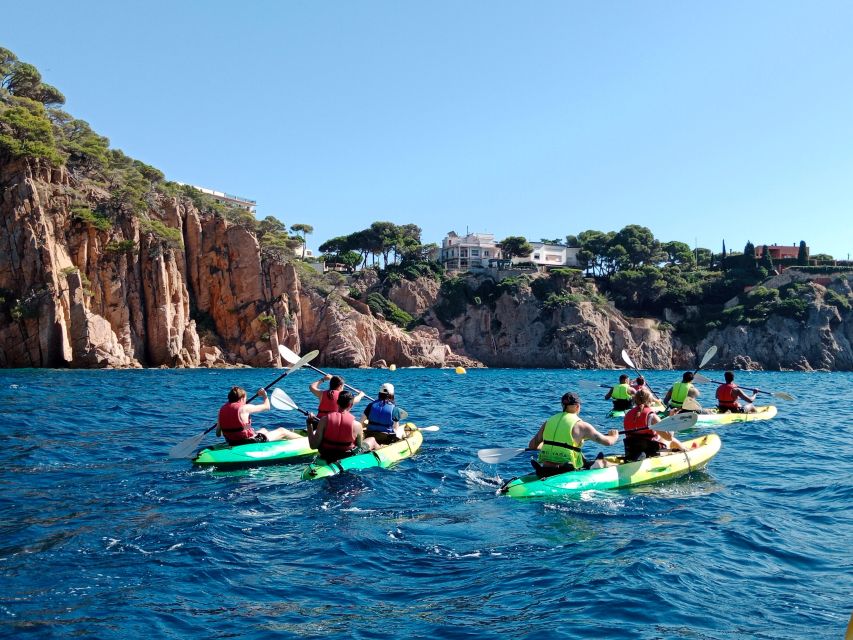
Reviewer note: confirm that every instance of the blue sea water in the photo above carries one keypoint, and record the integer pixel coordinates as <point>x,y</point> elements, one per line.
<point>102,535</point>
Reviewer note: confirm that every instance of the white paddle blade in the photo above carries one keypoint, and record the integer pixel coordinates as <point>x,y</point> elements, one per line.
<point>494,456</point>
<point>690,404</point>
<point>710,353</point>
<point>280,400</point>
<point>784,396</point>
<point>288,355</point>
<point>699,378</point>
<point>627,359</point>
<point>403,414</point>
<point>589,384</point>
<point>410,427</point>
<point>678,422</point>
<point>308,357</point>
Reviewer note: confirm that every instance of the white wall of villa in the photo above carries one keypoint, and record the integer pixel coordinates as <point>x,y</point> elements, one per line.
<point>550,255</point>
<point>471,251</point>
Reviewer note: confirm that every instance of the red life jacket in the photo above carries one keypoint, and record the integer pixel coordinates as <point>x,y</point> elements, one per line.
<point>726,397</point>
<point>338,432</point>
<point>232,427</point>
<point>636,423</point>
<point>328,403</point>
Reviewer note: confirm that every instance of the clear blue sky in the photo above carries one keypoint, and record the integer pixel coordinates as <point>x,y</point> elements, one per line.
<point>703,121</point>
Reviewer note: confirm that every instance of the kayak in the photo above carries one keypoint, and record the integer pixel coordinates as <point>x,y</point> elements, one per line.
<point>761,413</point>
<point>658,408</point>
<point>669,464</point>
<point>383,457</point>
<point>255,454</point>
<point>715,417</point>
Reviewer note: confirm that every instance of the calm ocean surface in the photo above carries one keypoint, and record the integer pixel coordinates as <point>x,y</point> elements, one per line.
<point>101,535</point>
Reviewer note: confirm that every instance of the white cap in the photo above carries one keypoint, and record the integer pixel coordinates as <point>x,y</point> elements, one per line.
<point>387,388</point>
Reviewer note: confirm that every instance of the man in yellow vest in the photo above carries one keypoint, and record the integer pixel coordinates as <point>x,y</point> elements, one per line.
<point>621,394</point>
<point>679,392</point>
<point>560,438</point>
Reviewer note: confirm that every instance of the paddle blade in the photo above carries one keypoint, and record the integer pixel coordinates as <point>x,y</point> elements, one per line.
<point>287,355</point>
<point>627,359</point>
<point>186,448</point>
<point>280,400</point>
<point>494,456</point>
<point>411,427</point>
<point>710,353</point>
<point>403,414</point>
<point>699,378</point>
<point>589,384</point>
<point>678,422</point>
<point>308,357</point>
<point>691,405</point>
<point>783,396</point>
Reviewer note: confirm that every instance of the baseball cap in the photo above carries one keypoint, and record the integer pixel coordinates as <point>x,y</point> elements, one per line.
<point>387,388</point>
<point>570,398</point>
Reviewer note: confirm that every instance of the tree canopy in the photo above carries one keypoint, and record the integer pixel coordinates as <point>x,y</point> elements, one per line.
<point>515,246</point>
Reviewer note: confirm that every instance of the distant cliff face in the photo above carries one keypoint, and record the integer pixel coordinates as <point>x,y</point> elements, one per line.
<point>76,295</point>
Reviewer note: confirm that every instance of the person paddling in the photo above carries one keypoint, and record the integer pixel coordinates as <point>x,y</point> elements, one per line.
<point>235,420</point>
<point>382,418</point>
<point>621,394</point>
<point>641,441</point>
<point>728,394</point>
<point>679,392</point>
<point>560,438</point>
<point>329,397</point>
<point>337,434</point>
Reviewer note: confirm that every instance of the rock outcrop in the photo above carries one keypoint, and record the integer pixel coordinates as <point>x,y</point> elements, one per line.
<point>132,294</point>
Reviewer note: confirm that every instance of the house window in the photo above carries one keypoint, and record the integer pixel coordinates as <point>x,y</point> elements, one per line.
<point>486,253</point>
<point>475,253</point>
<point>463,253</point>
<point>535,256</point>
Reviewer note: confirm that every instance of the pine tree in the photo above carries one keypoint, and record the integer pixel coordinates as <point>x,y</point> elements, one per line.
<point>803,254</point>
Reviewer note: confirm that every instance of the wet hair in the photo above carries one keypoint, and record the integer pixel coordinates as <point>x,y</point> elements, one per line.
<point>640,380</point>
<point>236,394</point>
<point>569,399</point>
<point>623,378</point>
<point>687,377</point>
<point>336,382</point>
<point>385,396</point>
<point>730,377</point>
<point>642,397</point>
<point>344,400</point>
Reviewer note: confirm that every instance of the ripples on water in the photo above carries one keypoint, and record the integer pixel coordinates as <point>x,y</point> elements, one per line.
<point>102,536</point>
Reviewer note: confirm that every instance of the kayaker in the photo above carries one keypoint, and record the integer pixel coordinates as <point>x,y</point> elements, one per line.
<point>620,394</point>
<point>680,391</point>
<point>235,420</point>
<point>640,383</point>
<point>728,394</point>
<point>338,434</point>
<point>640,440</point>
<point>329,397</point>
<point>560,438</point>
<point>382,418</point>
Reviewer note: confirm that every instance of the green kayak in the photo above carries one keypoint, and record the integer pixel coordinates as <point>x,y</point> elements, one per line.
<point>226,456</point>
<point>383,457</point>
<point>623,474</point>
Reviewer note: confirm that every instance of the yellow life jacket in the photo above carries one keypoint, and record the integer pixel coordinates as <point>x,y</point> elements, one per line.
<point>558,447</point>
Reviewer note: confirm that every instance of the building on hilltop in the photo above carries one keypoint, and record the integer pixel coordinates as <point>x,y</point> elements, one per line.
<point>549,255</point>
<point>227,198</point>
<point>779,252</point>
<point>471,251</point>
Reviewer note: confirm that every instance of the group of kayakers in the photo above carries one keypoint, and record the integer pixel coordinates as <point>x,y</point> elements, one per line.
<point>336,434</point>
<point>333,431</point>
<point>560,438</point>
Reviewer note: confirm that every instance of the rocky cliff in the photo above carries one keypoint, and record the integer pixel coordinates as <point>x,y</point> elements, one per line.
<point>141,290</point>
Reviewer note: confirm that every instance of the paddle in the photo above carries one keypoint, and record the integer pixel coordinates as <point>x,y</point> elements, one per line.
<point>776,394</point>
<point>291,356</point>
<point>627,360</point>
<point>188,446</point>
<point>678,422</point>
